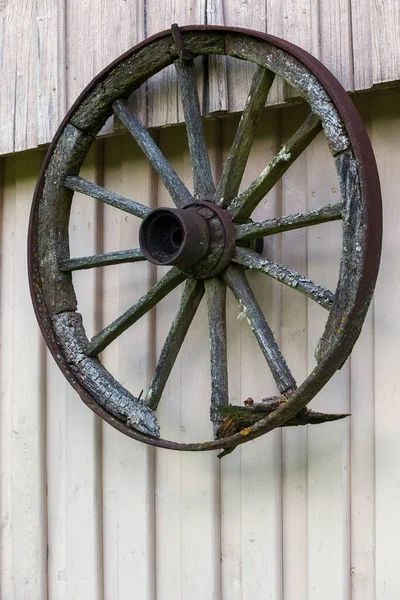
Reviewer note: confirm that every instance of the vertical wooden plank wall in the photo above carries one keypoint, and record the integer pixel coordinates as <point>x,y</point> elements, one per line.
<point>301,513</point>
<point>51,49</point>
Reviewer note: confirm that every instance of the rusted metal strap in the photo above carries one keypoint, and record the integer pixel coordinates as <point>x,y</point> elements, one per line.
<point>179,40</point>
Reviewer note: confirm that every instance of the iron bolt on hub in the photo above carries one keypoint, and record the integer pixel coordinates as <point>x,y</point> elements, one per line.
<point>198,239</point>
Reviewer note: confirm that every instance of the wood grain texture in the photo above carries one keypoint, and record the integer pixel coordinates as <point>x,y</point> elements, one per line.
<point>74,442</point>
<point>128,466</point>
<point>294,347</point>
<point>363,49</point>
<point>363,509</point>
<point>44,68</point>
<point>51,68</point>
<point>250,476</point>
<point>189,564</point>
<point>22,406</point>
<point>329,446</point>
<point>7,279</point>
<point>385,130</point>
<point>164,106</point>
<point>385,28</point>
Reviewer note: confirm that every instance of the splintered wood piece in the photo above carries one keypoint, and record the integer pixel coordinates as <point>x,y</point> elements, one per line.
<point>252,260</point>
<point>236,280</point>
<point>203,183</point>
<point>101,260</point>
<point>236,162</point>
<point>235,418</point>
<point>324,214</point>
<point>216,305</point>
<point>241,207</point>
<point>79,184</point>
<point>176,188</point>
<point>191,298</point>
<point>163,287</point>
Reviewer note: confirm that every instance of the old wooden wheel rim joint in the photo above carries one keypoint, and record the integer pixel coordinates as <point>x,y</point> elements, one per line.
<point>209,237</point>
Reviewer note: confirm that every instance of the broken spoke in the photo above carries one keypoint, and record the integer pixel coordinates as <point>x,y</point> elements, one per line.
<point>79,184</point>
<point>101,260</point>
<point>237,418</point>
<point>204,187</point>
<point>176,188</point>
<point>236,162</point>
<point>252,260</point>
<point>324,214</point>
<point>236,280</point>
<point>163,287</point>
<point>191,298</point>
<point>216,304</point>
<point>241,207</point>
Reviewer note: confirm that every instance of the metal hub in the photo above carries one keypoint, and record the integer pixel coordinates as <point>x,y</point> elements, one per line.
<point>198,239</point>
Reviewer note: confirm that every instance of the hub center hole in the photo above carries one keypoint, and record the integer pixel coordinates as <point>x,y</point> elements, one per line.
<point>163,236</point>
<point>177,237</point>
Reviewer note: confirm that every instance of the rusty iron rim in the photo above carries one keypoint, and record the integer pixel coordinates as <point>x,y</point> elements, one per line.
<point>369,179</point>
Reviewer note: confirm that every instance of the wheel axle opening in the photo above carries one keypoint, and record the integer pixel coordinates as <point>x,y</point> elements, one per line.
<point>164,236</point>
<point>177,237</point>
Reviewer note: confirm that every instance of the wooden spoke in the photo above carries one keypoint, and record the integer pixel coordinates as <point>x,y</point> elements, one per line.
<point>191,298</point>
<point>177,189</point>
<point>236,280</point>
<point>79,184</point>
<point>203,183</point>
<point>101,260</point>
<point>163,287</point>
<point>216,304</point>
<point>236,162</point>
<point>241,207</point>
<point>252,260</point>
<point>324,214</point>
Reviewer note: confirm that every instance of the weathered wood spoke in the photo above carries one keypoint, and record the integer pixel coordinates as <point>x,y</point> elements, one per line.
<point>203,183</point>
<point>236,280</point>
<point>191,298</point>
<point>79,184</point>
<point>236,162</point>
<point>216,304</point>
<point>163,287</point>
<point>176,188</point>
<point>324,214</point>
<point>101,260</point>
<point>252,260</point>
<point>241,207</point>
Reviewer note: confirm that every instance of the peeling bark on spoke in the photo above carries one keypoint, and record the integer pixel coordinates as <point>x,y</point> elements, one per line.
<point>204,187</point>
<point>252,260</point>
<point>236,162</point>
<point>79,184</point>
<point>324,214</point>
<point>191,298</point>
<point>101,260</point>
<point>163,287</point>
<point>236,280</point>
<point>241,207</point>
<point>216,304</point>
<point>176,188</point>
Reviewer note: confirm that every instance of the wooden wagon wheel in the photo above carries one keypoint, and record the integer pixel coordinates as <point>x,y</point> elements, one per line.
<point>206,238</point>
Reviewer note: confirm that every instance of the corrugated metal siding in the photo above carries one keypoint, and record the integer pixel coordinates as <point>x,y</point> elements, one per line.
<point>307,513</point>
<point>51,49</point>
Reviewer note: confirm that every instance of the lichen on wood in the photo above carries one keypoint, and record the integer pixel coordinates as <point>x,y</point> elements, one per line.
<point>53,218</point>
<point>91,374</point>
